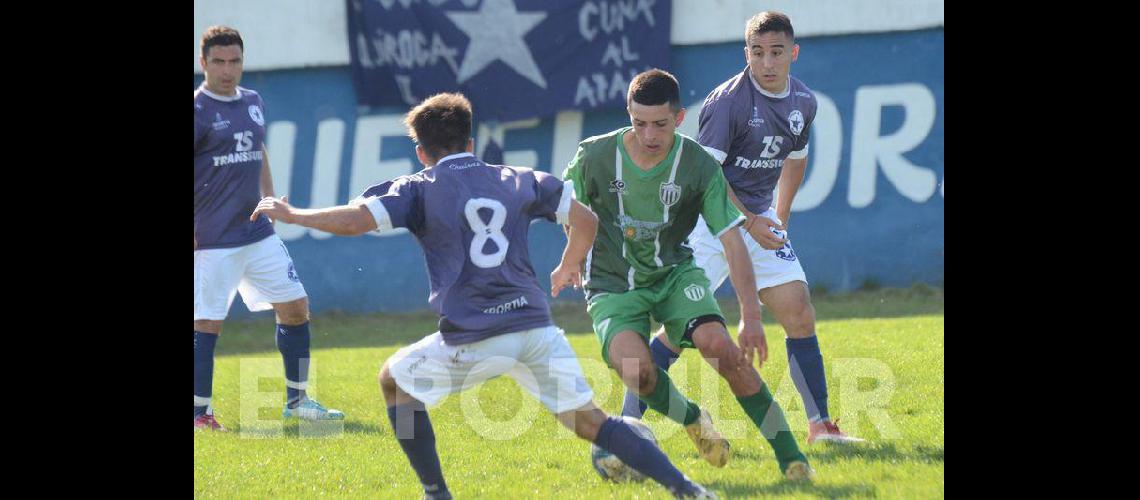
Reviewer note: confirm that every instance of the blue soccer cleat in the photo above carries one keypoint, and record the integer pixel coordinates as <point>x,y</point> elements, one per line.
<point>310,409</point>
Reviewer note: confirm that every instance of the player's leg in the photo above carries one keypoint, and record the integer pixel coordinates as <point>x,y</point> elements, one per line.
<point>421,375</point>
<point>621,322</point>
<point>548,370</point>
<point>216,276</point>
<point>783,290</point>
<point>708,254</point>
<point>293,340</point>
<point>693,319</point>
<point>414,433</point>
<point>718,349</point>
<point>271,281</point>
<point>615,436</point>
<point>663,355</point>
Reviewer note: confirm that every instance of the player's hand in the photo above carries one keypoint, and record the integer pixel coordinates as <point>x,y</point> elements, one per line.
<point>760,228</point>
<point>273,208</point>
<point>784,218</point>
<point>563,276</point>
<point>753,342</point>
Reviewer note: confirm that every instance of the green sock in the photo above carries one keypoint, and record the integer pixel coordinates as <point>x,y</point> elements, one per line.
<point>769,418</point>
<point>667,400</point>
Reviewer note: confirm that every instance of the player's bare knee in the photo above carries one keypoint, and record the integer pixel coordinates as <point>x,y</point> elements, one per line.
<point>728,361</point>
<point>387,383</point>
<point>720,351</point>
<point>646,378</point>
<point>801,323</point>
<point>208,326</point>
<point>292,313</point>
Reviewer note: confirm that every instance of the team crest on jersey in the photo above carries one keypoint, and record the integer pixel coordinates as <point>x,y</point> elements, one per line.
<point>796,120</point>
<point>756,121</point>
<point>695,292</point>
<point>219,123</point>
<point>617,186</point>
<point>670,193</point>
<point>255,113</point>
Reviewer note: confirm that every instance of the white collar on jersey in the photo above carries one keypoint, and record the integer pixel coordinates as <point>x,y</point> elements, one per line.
<point>781,95</point>
<point>236,96</point>
<point>453,157</point>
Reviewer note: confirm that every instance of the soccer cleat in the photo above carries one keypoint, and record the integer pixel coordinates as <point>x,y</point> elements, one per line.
<point>799,471</point>
<point>829,431</point>
<point>694,490</point>
<point>310,409</point>
<point>207,422</point>
<point>713,447</point>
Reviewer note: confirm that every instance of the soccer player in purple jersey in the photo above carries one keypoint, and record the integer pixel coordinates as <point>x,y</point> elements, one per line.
<point>757,124</point>
<point>471,219</point>
<point>233,253</point>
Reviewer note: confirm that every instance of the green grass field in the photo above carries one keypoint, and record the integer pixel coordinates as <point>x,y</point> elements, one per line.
<point>884,358</point>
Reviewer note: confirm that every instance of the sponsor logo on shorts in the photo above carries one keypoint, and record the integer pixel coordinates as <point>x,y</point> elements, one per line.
<point>455,358</point>
<point>695,292</point>
<point>293,274</point>
<point>416,364</point>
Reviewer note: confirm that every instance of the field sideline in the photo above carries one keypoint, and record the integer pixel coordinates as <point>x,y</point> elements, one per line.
<point>884,355</point>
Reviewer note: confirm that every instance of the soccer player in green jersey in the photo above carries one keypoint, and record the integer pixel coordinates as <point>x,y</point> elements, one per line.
<point>648,184</point>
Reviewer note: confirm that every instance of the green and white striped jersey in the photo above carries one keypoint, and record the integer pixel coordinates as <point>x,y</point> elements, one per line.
<point>644,217</point>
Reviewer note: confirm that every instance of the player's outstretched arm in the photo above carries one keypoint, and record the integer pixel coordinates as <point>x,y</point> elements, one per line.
<point>582,230</point>
<point>344,220</point>
<point>751,335</point>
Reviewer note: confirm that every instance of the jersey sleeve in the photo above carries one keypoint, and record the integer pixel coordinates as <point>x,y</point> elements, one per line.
<point>717,209</point>
<point>200,128</point>
<point>394,204</point>
<point>574,178</point>
<point>716,127</point>
<point>552,198</point>
<point>801,152</point>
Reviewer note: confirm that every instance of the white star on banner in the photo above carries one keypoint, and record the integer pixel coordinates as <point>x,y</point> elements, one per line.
<point>496,32</point>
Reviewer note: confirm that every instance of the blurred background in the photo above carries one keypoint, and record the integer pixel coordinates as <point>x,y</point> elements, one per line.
<point>336,78</point>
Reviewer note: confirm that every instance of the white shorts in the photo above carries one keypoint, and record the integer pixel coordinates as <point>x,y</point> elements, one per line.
<point>539,359</point>
<point>263,272</point>
<point>772,267</point>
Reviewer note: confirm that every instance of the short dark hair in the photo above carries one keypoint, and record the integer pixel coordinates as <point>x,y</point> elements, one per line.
<point>441,124</point>
<point>769,21</point>
<point>220,36</point>
<point>655,87</point>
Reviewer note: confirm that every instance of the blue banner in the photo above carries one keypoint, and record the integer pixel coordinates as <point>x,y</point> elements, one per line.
<point>512,58</point>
